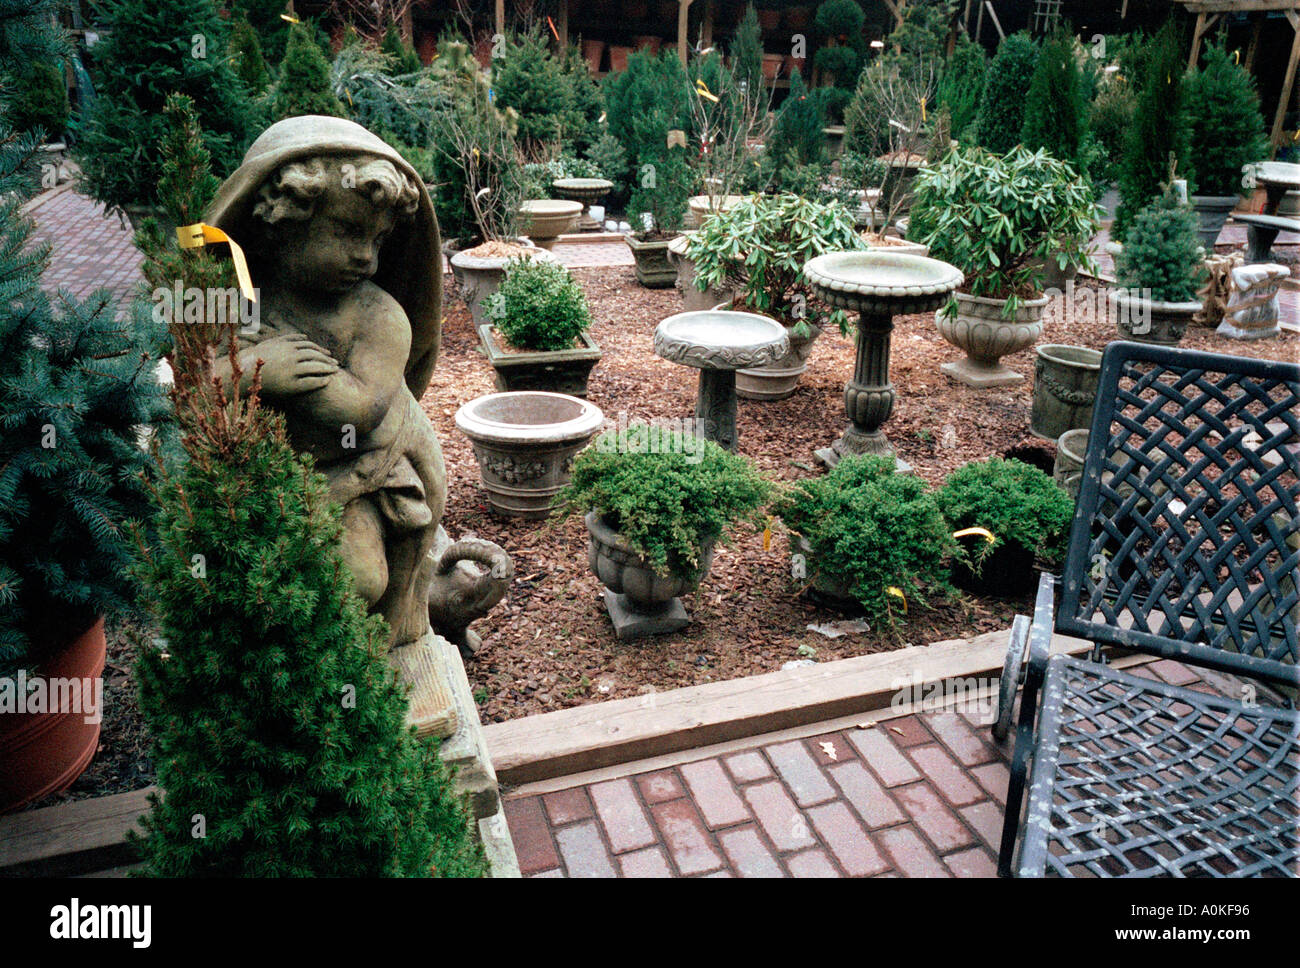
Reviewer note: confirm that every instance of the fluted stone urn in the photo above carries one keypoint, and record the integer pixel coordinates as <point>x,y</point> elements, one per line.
<point>718,343</point>
<point>640,601</point>
<point>878,285</point>
<point>588,191</point>
<point>985,335</point>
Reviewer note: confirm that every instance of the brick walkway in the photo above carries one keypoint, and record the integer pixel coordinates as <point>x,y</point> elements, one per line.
<point>920,795</point>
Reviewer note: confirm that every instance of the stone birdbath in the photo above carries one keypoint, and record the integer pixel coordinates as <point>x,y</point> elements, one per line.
<point>588,191</point>
<point>544,220</point>
<point>878,285</point>
<point>719,342</point>
<point>1276,178</point>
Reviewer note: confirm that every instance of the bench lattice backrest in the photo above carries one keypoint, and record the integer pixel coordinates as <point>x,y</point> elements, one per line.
<point>1185,540</point>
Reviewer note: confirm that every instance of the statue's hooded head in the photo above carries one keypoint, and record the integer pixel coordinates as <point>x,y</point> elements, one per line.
<point>304,167</point>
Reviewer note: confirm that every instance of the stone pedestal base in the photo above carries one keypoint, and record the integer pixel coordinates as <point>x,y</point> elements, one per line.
<point>854,443</point>
<point>632,624</point>
<point>980,375</point>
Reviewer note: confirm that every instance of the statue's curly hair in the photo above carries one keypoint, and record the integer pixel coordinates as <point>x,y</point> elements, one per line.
<point>291,193</point>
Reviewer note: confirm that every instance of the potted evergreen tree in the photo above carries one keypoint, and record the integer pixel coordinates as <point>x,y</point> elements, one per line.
<point>999,220</point>
<point>655,502</point>
<point>537,335</point>
<point>1158,273</point>
<point>1024,510</point>
<point>758,249</point>
<point>76,387</point>
<point>1227,134</point>
<point>658,203</point>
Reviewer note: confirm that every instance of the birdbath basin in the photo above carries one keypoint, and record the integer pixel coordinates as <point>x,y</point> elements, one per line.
<point>585,190</point>
<point>544,220</point>
<point>878,285</point>
<point>719,342</point>
<point>1276,178</point>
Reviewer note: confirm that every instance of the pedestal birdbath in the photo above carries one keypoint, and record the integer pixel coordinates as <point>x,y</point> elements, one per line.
<point>719,342</point>
<point>1276,178</point>
<point>879,285</point>
<point>585,190</point>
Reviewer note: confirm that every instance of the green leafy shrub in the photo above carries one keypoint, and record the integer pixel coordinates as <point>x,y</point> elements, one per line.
<point>246,50</point>
<point>145,54</point>
<point>1109,119</point>
<point>37,99</point>
<point>963,83</point>
<point>1016,502</point>
<point>873,529</point>
<point>1162,252</point>
<point>1055,112</point>
<point>662,189</point>
<point>1001,114</point>
<point>1227,129</point>
<point>1159,132</point>
<point>403,59</point>
<point>761,245</point>
<point>999,219</point>
<point>538,306</point>
<point>76,386</point>
<point>667,494</point>
<point>304,84</point>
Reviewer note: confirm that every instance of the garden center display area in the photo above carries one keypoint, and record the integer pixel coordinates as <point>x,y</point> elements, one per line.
<point>437,442</point>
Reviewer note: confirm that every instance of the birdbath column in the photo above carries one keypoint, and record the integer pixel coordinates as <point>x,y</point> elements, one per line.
<point>878,285</point>
<point>718,343</point>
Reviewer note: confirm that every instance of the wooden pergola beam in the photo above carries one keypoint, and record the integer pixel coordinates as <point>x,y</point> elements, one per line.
<point>1288,81</point>
<point>1203,26</point>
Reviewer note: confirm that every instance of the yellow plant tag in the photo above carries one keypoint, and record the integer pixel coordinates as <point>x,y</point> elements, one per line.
<point>702,90</point>
<point>897,593</point>
<point>200,234</point>
<point>290,17</point>
<point>923,109</point>
<point>984,532</point>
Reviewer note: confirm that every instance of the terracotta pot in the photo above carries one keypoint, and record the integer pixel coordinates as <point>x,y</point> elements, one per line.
<point>44,752</point>
<point>797,17</point>
<point>647,42</point>
<point>979,329</point>
<point>772,65</point>
<point>428,46</point>
<point>594,52</point>
<point>483,53</point>
<point>618,57</point>
<point>792,64</point>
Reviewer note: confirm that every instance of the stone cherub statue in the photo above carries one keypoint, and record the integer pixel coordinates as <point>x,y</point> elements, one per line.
<point>343,247</point>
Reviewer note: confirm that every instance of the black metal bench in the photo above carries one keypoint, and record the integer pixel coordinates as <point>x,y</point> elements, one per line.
<point>1184,545</point>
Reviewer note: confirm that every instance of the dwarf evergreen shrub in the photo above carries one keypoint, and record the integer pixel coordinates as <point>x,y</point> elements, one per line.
<point>538,306</point>
<point>304,83</point>
<point>1055,112</point>
<point>1001,115</point>
<point>1015,501</point>
<point>1162,252</point>
<point>1227,129</point>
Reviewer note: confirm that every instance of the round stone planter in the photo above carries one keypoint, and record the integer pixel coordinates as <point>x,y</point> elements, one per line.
<point>1065,389</point>
<point>640,601</point>
<point>653,270</point>
<point>981,331</point>
<point>1212,212</point>
<point>479,277</point>
<point>1071,448</point>
<point>1152,321</point>
<point>525,442</point>
<point>544,220</point>
<point>693,300</point>
<point>700,207</point>
<point>892,243</point>
<point>780,378</point>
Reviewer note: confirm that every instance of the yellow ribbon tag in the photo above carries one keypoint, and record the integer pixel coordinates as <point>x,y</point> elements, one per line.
<point>290,17</point>
<point>702,90</point>
<point>767,536</point>
<point>964,532</point>
<point>1236,57</point>
<point>923,109</point>
<point>551,24</point>
<point>897,593</point>
<point>200,234</point>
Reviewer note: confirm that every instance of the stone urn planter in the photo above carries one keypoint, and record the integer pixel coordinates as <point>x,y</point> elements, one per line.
<point>525,443</point>
<point>780,378</point>
<point>43,751</point>
<point>834,139</point>
<point>693,299</point>
<point>1065,389</point>
<point>979,329</point>
<point>544,220</point>
<point>480,275</point>
<point>1071,449</point>
<point>653,270</point>
<point>641,602</point>
<point>1212,211</point>
<point>700,207</point>
<point>553,371</point>
<point>1151,321</point>
<point>588,191</point>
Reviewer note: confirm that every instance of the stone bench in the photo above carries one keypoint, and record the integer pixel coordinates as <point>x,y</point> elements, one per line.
<point>1263,230</point>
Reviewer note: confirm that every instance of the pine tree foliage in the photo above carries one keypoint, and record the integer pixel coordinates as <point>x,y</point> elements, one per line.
<point>1002,104</point>
<point>150,49</point>
<point>304,83</point>
<point>963,83</point>
<point>404,59</point>
<point>1056,112</point>
<point>1159,132</point>
<point>1227,128</point>
<point>797,137</point>
<point>530,80</point>
<point>76,386</point>
<point>250,63</point>
<point>746,50</point>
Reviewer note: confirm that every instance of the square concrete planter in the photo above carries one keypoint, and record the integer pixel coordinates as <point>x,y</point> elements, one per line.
<point>653,270</point>
<point>554,371</point>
